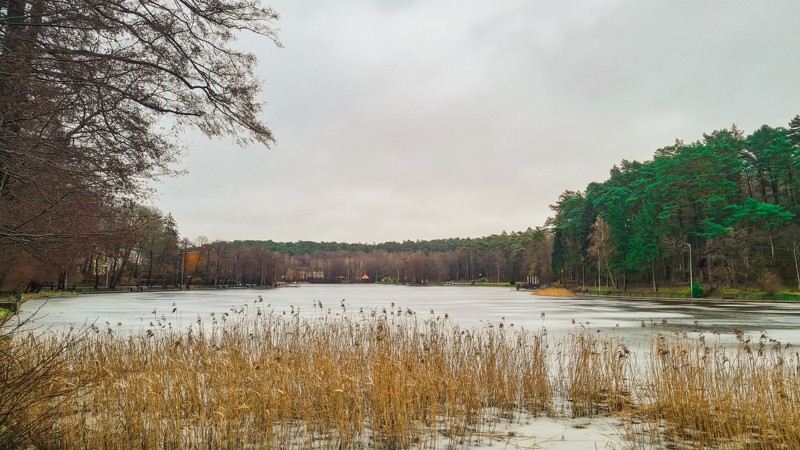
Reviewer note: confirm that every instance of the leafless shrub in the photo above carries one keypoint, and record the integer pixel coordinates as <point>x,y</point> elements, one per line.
<point>37,379</point>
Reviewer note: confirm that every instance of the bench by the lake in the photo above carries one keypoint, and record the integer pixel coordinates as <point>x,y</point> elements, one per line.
<point>12,306</point>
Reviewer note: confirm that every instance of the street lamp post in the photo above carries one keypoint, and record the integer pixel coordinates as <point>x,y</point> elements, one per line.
<point>183,263</point>
<point>691,282</point>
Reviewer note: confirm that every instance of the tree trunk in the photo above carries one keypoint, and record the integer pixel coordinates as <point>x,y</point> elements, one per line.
<point>118,273</point>
<point>97,271</point>
<point>771,245</point>
<point>150,269</point>
<point>796,268</point>
<point>653,271</point>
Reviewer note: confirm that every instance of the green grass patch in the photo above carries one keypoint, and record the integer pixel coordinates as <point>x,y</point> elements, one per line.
<point>783,296</point>
<point>31,295</point>
<point>42,294</point>
<point>730,291</point>
<point>724,293</point>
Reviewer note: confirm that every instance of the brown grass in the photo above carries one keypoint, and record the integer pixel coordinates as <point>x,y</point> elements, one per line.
<point>553,292</point>
<point>36,382</point>
<point>260,380</point>
<point>702,396</point>
<point>598,374</point>
<point>389,379</point>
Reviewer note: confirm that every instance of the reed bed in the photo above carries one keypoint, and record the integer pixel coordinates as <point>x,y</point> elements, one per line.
<point>597,377</point>
<point>256,379</point>
<point>387,378</point>
<point>554,292</point>
<point>711,396</point>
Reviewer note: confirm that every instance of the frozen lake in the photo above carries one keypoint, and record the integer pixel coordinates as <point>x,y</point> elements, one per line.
<point>467,306</point>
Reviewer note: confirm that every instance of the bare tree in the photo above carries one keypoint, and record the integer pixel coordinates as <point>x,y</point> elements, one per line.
<point>92,93</point>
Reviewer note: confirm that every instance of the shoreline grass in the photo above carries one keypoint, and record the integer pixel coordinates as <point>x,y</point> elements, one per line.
<point>251,378</point>
<point>553,292</point>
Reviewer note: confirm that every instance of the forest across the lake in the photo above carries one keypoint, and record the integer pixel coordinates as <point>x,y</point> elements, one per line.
<point>720,214</point>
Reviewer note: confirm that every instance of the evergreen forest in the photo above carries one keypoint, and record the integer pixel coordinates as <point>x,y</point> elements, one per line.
<point>723,209</point>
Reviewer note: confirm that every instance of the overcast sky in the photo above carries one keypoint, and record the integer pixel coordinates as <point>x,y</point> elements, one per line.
<point>434,119</point>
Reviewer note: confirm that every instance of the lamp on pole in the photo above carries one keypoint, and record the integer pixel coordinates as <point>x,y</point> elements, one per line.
<point>691,282</point>
<point>183,263</point>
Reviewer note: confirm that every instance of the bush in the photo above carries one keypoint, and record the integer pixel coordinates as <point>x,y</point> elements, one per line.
<point>35,377</point>
<point>770,283</point>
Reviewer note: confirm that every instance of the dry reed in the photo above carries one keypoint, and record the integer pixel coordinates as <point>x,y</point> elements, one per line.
<point>711,396</point>
<point>598,374</point>
<point>252,378</point>
<point>553,292</point>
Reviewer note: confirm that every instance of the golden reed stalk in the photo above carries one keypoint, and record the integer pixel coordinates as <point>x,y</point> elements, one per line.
<point>384,379</point>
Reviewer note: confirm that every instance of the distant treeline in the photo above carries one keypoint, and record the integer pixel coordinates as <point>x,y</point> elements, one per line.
<point>151,253</point>
<point>436,245</point>
<point>724,210</point>
<point>506,257</point>
<point>730,200</point>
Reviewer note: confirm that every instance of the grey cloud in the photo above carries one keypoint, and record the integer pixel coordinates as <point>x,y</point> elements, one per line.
<point>419,120</point>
